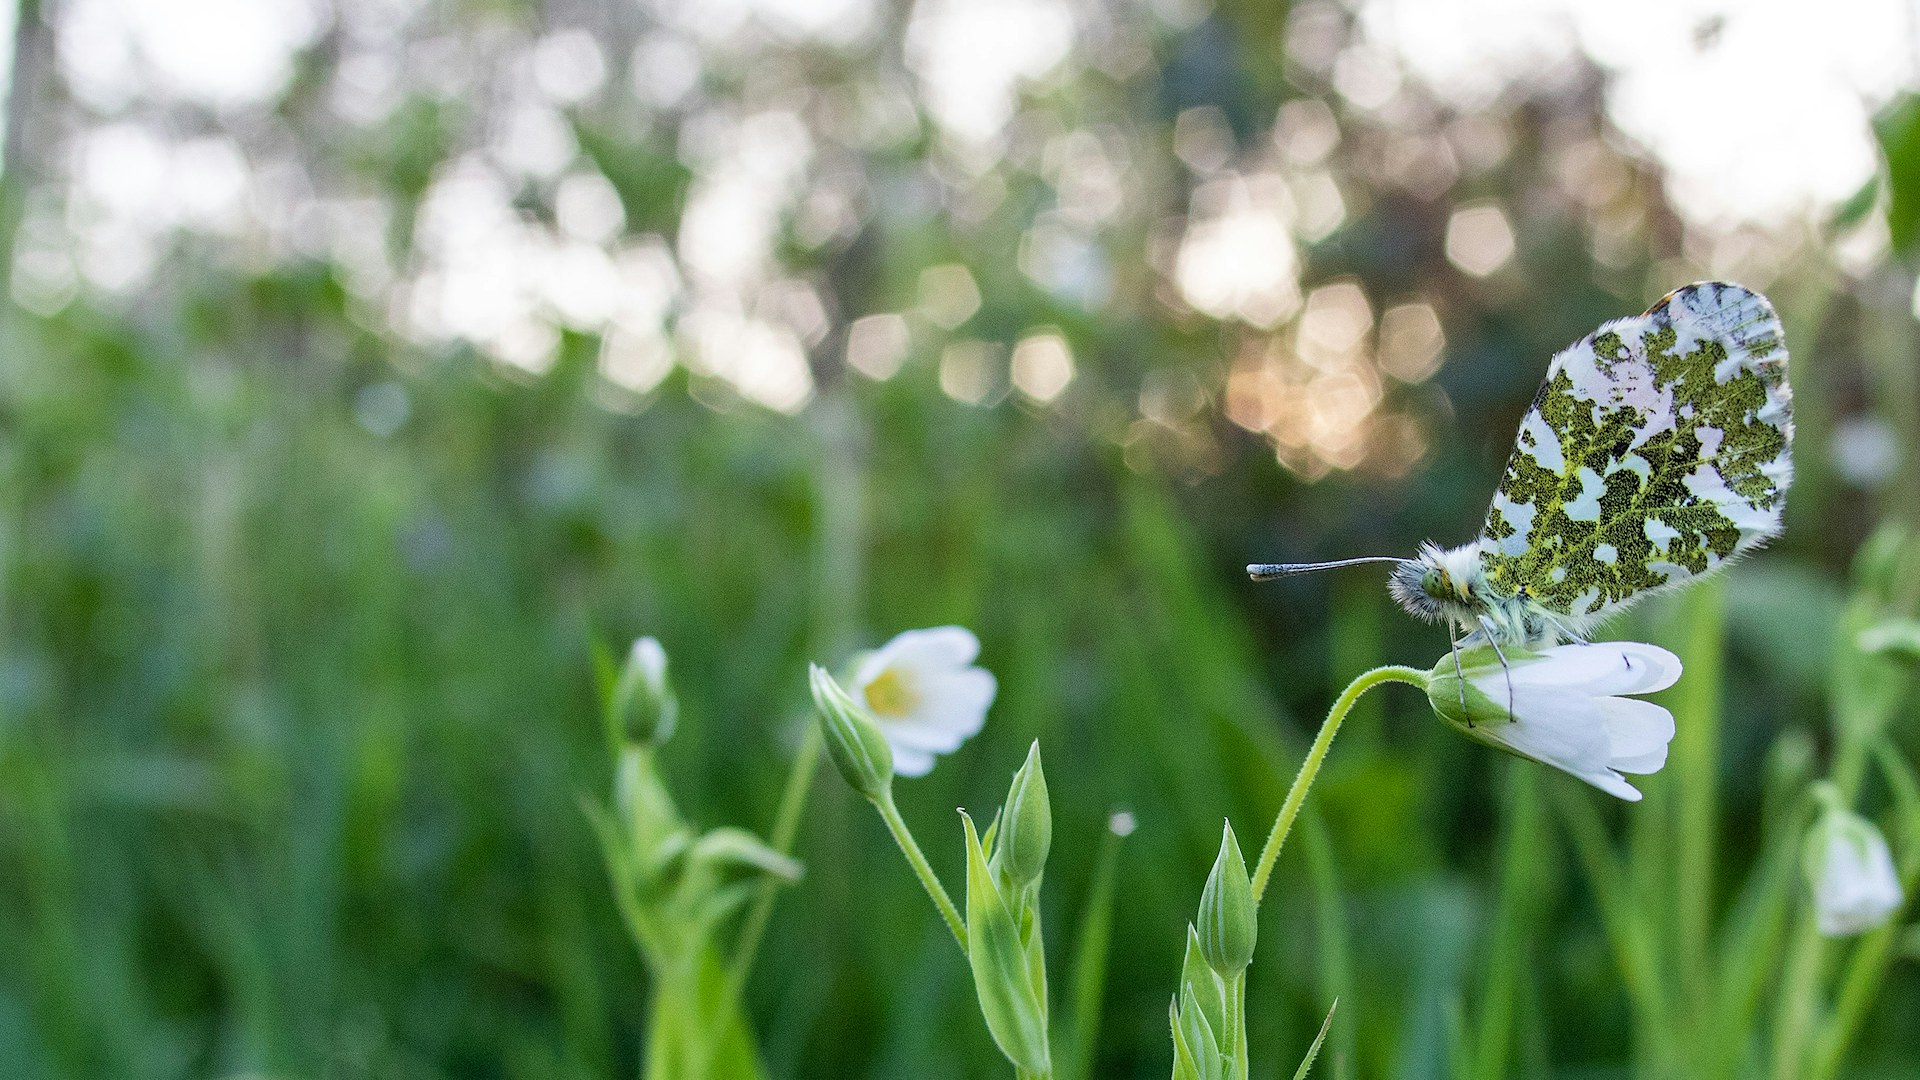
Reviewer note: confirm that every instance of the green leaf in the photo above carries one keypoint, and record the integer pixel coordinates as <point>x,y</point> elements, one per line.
<point>1011,1006</point>
<point>1201,1037</point>
<point>1090,959</point>
<point>1184,1065</point>
<point>1306,1064</point>
<point>1863,202</point>
<point>1209,993</point>
<point>1898,637</point>
<point>1898,129</point>
<point>730,850</point>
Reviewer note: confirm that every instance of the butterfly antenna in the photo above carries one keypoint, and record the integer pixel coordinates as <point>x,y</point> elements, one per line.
<point>1273,571</point>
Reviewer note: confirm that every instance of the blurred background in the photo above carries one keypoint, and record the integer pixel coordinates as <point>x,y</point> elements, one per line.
<point>363,361</point>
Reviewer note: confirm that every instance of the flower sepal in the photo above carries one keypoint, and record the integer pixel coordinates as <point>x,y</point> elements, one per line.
<point>854,742</point>
<point>1465,702</point>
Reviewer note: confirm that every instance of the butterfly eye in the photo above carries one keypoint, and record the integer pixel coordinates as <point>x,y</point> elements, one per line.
<point>1431,583</point>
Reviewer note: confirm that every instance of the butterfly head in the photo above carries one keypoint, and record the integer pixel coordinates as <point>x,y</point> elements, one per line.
<point>1441,584</point>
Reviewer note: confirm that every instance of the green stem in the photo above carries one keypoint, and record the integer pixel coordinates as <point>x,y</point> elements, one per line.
<point>891,815</point>
<point>1316,754</point>
<point>1860,987</point>
<point>1798,1005</point>
<point>1521,876</point>
<point>1695,764</point>
<point>1794,1018</point>
<point>786,826</point>
<point>1235,1037</point>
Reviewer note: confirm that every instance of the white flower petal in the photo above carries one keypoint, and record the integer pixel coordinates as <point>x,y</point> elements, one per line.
<point>1612,667</point>
<point>953,707</point>
<point>934,699</point>
<point>1566,731</point>
<point>940,647</point>
<point>1613,784</point>
<point>920,737</point>
<point>1638,732</point>
<point>910,762</point>
<point>867,667</point>
<point>1858,888</point>
<point>1565,714</point>
<point>959,699</point>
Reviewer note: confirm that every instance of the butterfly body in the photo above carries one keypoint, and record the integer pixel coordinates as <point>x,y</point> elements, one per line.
<point>1452,585</point>
<point>1655,452</point>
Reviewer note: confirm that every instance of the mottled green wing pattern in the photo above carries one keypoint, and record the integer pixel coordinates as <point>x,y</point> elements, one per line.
<point>1656,450</point>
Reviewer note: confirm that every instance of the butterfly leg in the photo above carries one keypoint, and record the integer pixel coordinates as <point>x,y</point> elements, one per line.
<point>1459,676</point>
<point>1505,670</point>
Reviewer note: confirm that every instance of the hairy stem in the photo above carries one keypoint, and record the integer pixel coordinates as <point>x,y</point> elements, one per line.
<point>891,815</point>
<point>1316,755</point>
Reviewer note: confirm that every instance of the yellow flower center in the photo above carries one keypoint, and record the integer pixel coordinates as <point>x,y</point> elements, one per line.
<point>891,695</point>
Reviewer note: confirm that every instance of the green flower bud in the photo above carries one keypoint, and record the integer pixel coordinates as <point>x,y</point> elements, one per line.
<point>642,705</point>
<point>1026,832</point>
<point>854,742</point>
<point>1229,918</point>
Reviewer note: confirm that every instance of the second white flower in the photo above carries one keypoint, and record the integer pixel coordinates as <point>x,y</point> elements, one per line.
<point>925,693</point>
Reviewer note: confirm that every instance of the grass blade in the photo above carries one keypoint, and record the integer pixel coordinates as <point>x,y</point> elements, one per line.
<point>1306,1064</point>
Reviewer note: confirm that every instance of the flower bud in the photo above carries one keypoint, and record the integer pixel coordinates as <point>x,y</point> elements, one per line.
<point>1026,830</point>
<point>854,742</point>
<point>1850,870</point>
<point>1229,918</point>
<point>642,704</point>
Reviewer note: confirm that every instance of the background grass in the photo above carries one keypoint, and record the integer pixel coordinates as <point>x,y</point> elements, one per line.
<point>296,707</point>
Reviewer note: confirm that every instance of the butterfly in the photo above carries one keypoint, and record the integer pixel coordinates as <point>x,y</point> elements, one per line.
<point>1656,451</point>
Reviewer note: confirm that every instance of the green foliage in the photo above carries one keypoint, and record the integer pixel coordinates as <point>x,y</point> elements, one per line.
<point>295,708</point>
<point>1012,1001</point>
<point>1898,128</point>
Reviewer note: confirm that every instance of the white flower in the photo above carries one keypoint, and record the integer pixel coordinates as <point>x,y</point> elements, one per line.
<point>1855,887</point>
<point>1565,711</point>
<point>925,693</point>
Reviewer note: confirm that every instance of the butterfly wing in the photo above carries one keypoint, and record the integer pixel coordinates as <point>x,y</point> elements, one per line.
<point>1655,451</point>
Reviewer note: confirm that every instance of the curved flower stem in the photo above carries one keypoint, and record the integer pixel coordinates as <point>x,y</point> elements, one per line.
<point>786,826</point>
<point>1316,754</point>
<point>891,815</point>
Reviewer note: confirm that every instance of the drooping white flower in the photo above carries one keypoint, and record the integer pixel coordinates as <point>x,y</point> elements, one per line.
<point>1565,707</point>
<point>1850,869</point>
<point>925,693</point>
